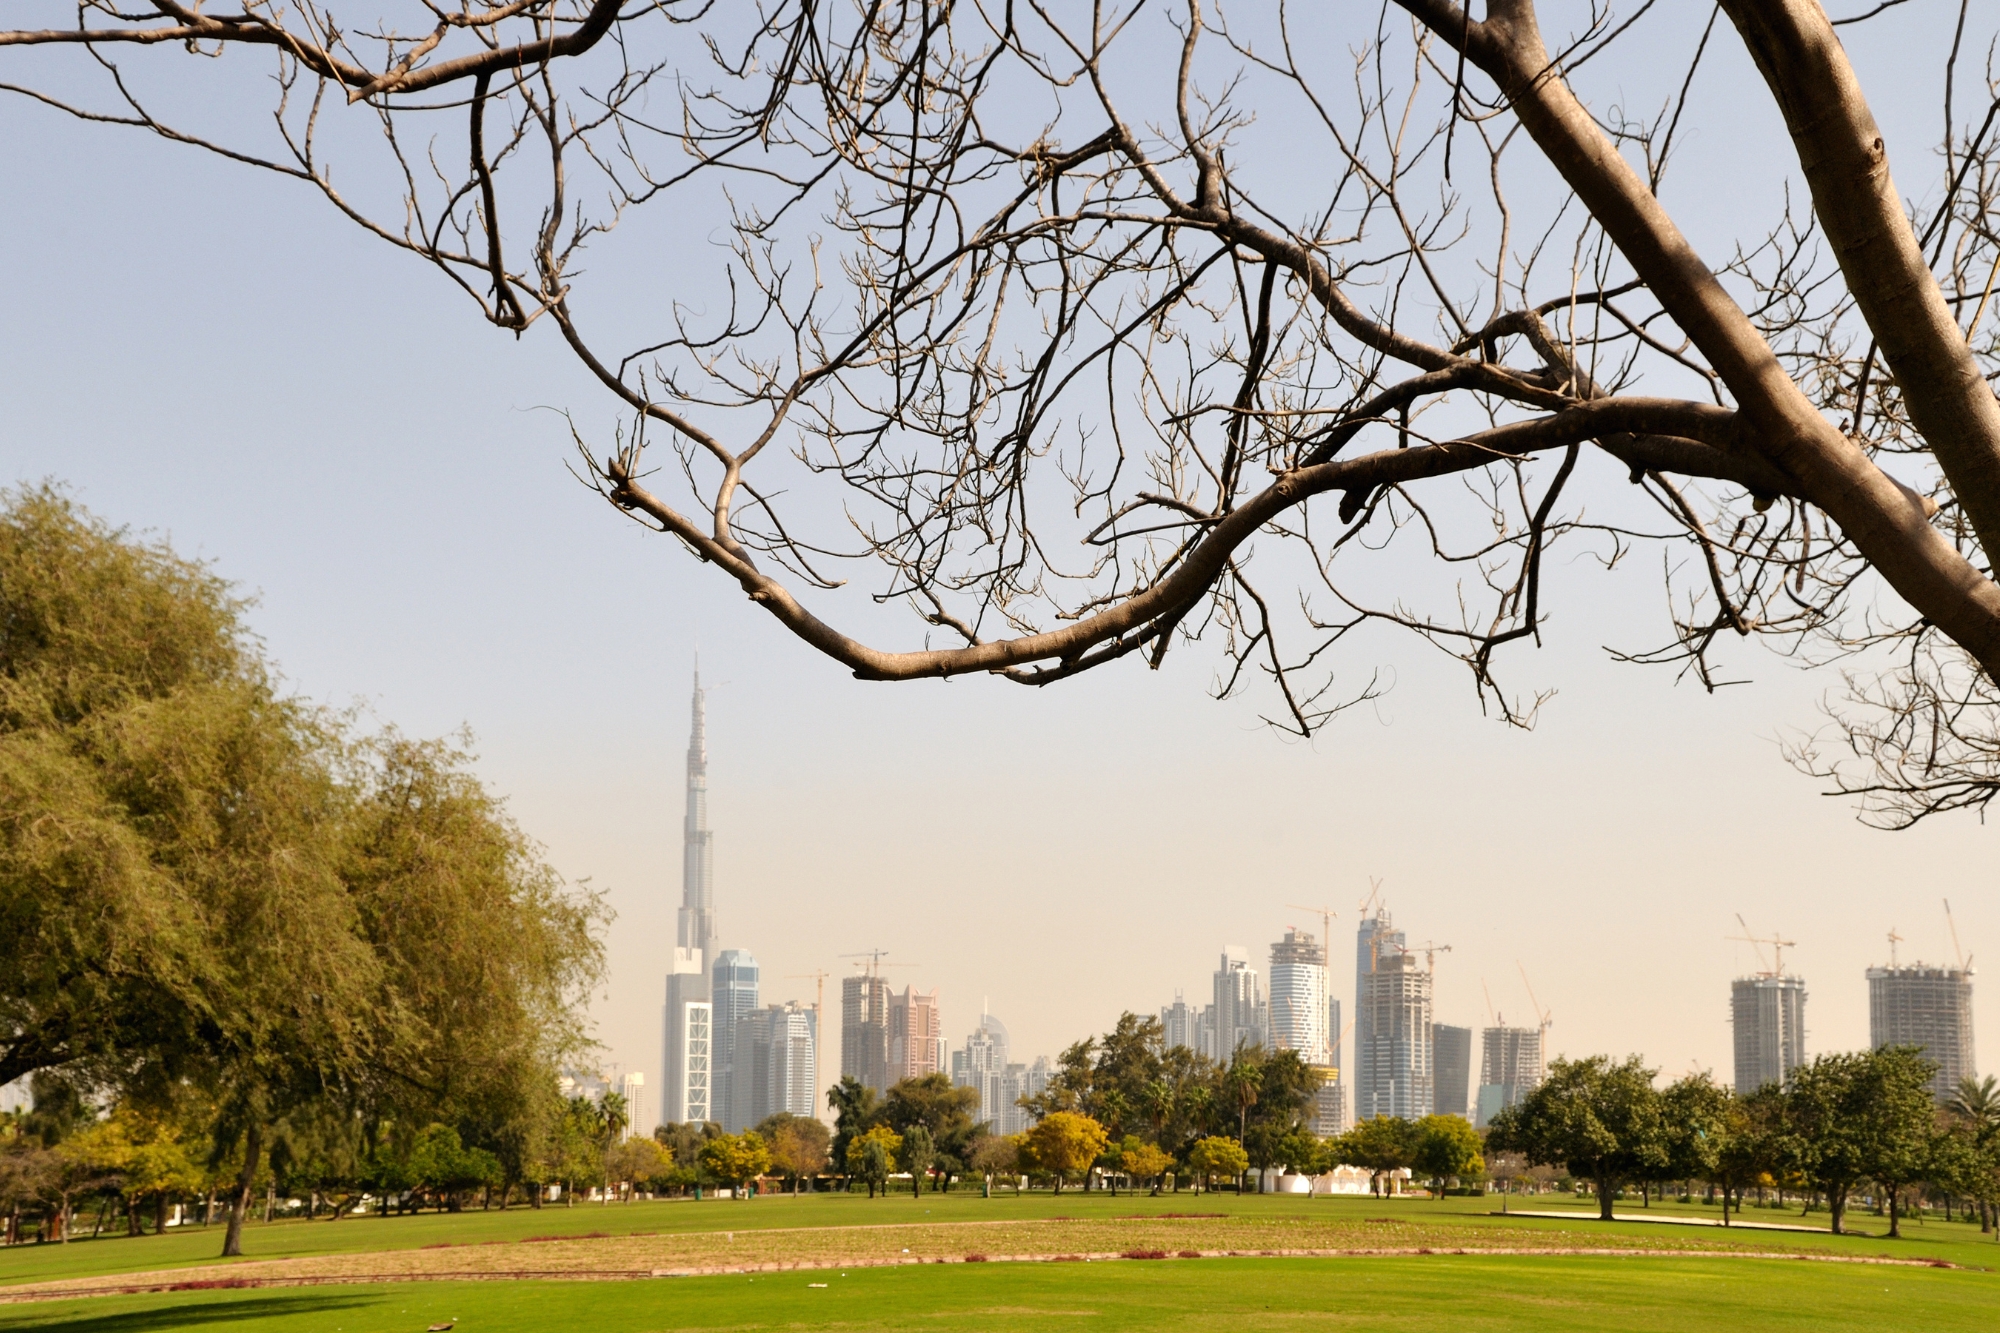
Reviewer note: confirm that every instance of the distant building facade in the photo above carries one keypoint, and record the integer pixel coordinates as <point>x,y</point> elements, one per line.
<point>1929,1007</point>
<point>1394,1075</point>
<point>1451,1055</point>
<point>1297,1004</point>
<point>1237,1016</point>
<point>685,1060</point>
<point>1767,1018</point>
<point>776,1063</point>
<point>1510,1067</point>
<point>864,1030</point>
<point>732,991</point>
<point>1180,1024</point>
<point>982,1065</point>
<point>916,1035</point>
<point>1375,941</point>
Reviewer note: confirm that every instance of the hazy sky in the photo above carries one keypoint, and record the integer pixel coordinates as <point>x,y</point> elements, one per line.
<point>215,356</point>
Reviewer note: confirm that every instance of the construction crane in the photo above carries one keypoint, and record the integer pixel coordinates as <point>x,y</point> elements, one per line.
<point>1778,947</point>
<point>1894,940</point>
<point>1546,1018</point>
<point>1374,892</point>
<point>1492,1015</point>
<point>1326,915</point>
<point>819,995</point>
<point>1964,959</point>
<point>875,957</point>
<point>1430,952</point>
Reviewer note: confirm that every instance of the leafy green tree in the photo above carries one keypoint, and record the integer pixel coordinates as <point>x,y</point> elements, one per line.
<point>1749,1141</point>
<point>799,1145</point>
<point>1063,1142</point>
<point>855,1111</point>
<point>871,1155</point>
<point>1694,1111</point>
<point>736,1159</point>
<point>1285,1086</point>
<point>1864,1115</point>
<point>1143,1161</point>
<point>947,1113</point>
<point>637,1161</point>
<point>1216,1156</point>
<point>206,883</point>
<point>1379,1145</point>
<point>1600,1120</point>
<point>919,1152</point>
<point>1447,1147</point>
<point>1974,1111</point>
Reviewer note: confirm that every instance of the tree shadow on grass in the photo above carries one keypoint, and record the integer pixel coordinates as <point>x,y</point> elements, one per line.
<point>179,1314</point>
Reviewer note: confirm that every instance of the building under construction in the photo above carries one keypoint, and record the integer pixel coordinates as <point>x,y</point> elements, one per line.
<point>1929,1007</point>
<point>1768,1015</point>
<point>1510,1067</point>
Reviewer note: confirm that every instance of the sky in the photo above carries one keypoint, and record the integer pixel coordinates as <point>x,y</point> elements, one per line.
<point>215,357</point>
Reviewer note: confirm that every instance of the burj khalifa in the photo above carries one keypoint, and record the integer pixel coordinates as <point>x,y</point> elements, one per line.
<point>697,914</point>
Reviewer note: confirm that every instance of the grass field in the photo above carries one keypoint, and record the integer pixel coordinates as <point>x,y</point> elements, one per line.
<point>1459,1293</point>
<point>1495,1290</point>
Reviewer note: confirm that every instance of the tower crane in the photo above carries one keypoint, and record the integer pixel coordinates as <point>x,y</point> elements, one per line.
<point>1430,951</point>
<point>819,993</point>
<point>1544,1016</point>
<point>1894,940</point>
<point>1964,959</point>
<point>1778,947</point>
<point>1326,915</point>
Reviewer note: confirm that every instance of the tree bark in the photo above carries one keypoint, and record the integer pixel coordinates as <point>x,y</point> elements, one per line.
<point>1605,1190</point>
<point>1887,523</point>
<point>253,1148</point>
<point>1847,168</point>
<point>1895,1214</point>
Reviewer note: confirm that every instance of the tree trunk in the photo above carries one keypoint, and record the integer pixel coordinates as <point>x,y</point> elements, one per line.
<point>1836,1205</point>
<point>1604,1200</point>
<point>232,1240</point>
<point>160,1213</point>
<point>1895,1214</point>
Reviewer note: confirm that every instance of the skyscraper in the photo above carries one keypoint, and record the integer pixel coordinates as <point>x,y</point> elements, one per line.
<point>916,1035</point>
<point>687,1085</point>
<point>1768,1016</point>
<point>1374,940</point>
<point>1180,1024</point>
<point>1510,1067</point>
<point>696,922</point>
<point>685,1055</point>
<point>982,1064</point>
<point>776,1063</point>
<point>1297,1007</point>
<point>1238,1015</point>
<point>733,992</point>
<point>1452,1049</point>
<point>1929,1007</point>
<point>864,1030</point>
<point>1395,1075</point>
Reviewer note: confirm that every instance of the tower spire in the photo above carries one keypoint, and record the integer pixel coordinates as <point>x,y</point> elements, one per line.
<point>697,915</point>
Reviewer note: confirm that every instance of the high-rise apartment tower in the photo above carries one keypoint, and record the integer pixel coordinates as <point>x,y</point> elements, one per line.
<point>732,990</point>
<point>1395,1074</point>
<point>1929,1007</point>
<point>775,1064</point>
<point>1238,1016</point>
<point>864,1030</point>
<point>1452,1054</point>
<point>1510,1067</point>
<point>1377,944</point>
<point>1297,1006</point>
<point>1767,1017</point>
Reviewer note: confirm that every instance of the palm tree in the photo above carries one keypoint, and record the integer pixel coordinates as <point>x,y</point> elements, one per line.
<point>1976,1102</point>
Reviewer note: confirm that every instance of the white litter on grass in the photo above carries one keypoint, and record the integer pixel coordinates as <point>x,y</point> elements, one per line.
<point>815,1284</point>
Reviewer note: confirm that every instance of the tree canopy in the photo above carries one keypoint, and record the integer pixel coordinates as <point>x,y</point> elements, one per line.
<point>1034,318</point>
<point>215,892</point>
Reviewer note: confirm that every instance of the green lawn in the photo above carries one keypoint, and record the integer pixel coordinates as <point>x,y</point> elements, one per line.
<point>1958,1242</point>
<point>1455,1292</point>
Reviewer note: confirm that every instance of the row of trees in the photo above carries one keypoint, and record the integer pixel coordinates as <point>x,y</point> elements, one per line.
<point>1839,1124</point>
<point>273,947</point>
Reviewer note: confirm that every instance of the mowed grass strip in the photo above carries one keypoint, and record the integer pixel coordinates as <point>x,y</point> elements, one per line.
<point>1479,1294</point>
<point>771,1249</point>
<point>712,1233</point>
